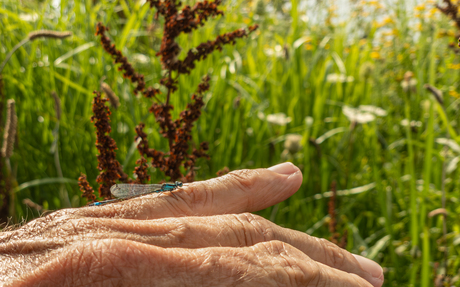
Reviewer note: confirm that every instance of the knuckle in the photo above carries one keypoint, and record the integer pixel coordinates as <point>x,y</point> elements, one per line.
<point>252,229</point>
<point>290,267</point>
<point>273,247</point>
<point>314,276</point>
<point>199,195</point>
<point>261,226</point>
<point>179,230</point>
<point>321,278</point>
<point>76,225</point>
<point>196,196</point>
<point>334,255</point>
<point>244,179</point>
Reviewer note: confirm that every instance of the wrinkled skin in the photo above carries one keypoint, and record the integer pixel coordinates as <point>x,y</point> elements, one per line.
<point>202,236</point>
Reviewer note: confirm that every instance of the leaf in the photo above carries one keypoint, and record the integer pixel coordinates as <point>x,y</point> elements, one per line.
<point>346,192</point>
<point>299,42</point>
<point>329,134</point>
<point>450,143</point>
<point>339,62</point>
<point>73,52</point>
<point>378,246</point>
<point>452,165</point>
<point>72,84</point>
<point>43,181</point>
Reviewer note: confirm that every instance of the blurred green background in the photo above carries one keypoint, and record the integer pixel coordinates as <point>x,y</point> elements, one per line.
<point>337,88</point>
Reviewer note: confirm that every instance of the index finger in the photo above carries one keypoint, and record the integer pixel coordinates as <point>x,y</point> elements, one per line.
<point>237,192</point>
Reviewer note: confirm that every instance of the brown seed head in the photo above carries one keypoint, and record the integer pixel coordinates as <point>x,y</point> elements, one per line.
<point>49,34</point>
<point>436,93</point>
<point>114,101</point>
<point>57,105</point>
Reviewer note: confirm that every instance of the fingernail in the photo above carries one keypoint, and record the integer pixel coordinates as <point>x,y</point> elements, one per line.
<point>372,268</point>
<point>284,168</point>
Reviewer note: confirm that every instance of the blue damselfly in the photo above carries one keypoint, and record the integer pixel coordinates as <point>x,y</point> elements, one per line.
<point>125,191</point>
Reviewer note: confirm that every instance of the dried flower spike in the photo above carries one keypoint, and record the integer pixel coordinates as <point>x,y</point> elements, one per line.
<point>141,171</point>
<point>10,129</point>
<point>109,167</point>
<point>86,189</point>
<point>178,132</point>
<point>223,171</point>
<point>128,69</point>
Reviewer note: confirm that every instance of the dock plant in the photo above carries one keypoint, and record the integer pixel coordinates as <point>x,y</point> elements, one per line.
<point>179,161</point>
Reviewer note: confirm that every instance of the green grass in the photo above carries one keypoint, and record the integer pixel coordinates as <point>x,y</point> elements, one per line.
<point>283,67</point>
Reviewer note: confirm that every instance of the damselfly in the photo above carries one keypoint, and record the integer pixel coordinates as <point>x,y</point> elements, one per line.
<point>126,191</point>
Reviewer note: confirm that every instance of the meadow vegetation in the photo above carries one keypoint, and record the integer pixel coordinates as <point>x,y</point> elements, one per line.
<point>341,94</point>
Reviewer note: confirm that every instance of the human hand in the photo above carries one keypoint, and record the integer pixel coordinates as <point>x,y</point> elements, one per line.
<point>202,236</point>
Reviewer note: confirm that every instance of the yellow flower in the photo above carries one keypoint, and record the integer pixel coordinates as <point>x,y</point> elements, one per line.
<point>388,20</point>
<point>420,7</point>
<point>454,66</point>
<point>375,4</point>
<point>454,94</point>
<point>375,55</point>
<point>433,12</point>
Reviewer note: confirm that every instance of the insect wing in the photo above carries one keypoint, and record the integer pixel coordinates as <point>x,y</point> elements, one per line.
<point>125,190</point>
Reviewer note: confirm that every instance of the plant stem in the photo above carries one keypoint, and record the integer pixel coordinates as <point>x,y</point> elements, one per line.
<point>166,104</point>
<point>7,58</point>
<point>425,276</point>
<point>410,166</point>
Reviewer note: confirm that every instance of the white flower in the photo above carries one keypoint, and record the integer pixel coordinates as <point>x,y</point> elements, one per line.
<point>29,17</point>
<point>122,128</point>
<point>293,143</point>
<point>405,123</point>
<point>278,119</point>
<point>261,115</point>
<point>140,58</point>
<point>277,52</point>
<point>339,78</point>
<point>309,121</point>
<point>373,110</point>
<point>409,84</point>
<point>357,115</point>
